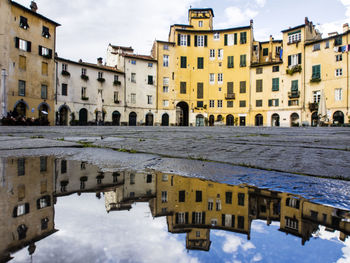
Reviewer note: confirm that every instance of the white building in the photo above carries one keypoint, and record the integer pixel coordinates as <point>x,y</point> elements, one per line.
<point>140,82</point>
<point>89,93</point>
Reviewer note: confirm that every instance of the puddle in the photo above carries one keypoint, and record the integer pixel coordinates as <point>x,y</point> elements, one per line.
<point>56,210</point>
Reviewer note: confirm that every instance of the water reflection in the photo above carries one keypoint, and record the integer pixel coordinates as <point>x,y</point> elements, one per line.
<point>30,188</point>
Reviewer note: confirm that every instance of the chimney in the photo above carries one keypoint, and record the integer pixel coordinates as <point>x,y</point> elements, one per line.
<point>251,23</point>
<point>345,28</point>
<point>33,6</point>
<point>306,20</point>
<point>80,61</point>
<point>271,39</point>
<point>100,61</point>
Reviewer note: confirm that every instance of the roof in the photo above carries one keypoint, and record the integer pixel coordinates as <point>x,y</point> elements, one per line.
<point>183,25</point>
<point>326,39</point>
<point>165,42</point>
<point>273,41</point>
<point>34,13</point>
<point>143,57</point>
<point>202,9</point>
<point>293,28</point>
<point>214,30</point>
<point>121,47</point>
<point>91,65</point>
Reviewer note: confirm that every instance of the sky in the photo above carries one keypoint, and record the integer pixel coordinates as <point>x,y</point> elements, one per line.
<point>88,26</point>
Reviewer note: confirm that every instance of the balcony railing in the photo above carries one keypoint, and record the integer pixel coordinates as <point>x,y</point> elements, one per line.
<point>230,96</point>
<point>313,106</point>
<point>294,94</point>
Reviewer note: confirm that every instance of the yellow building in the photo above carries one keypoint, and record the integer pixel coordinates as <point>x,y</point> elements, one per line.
<point>30,72</point>
<point>203,74</point>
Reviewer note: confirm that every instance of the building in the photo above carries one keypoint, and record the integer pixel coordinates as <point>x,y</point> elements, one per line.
<point>140,84</point>
<point>89,93</point>
<point>27,63</point>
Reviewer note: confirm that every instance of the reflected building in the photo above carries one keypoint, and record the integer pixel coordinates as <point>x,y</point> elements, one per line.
<point>26,204</point>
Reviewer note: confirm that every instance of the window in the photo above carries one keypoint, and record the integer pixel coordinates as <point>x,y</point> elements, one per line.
<point>43,91</point>
<point>165,89</point>
<point>274,103</point>
<point>183,62</point>
<point>211,103</point>
<point>21,88</point>
<point>149,99</point>
<point>338,41</point>
<point>23,44</point>
<point>197,218</point>
<point>83,71</point>
<point>100,75</point>
<point>230,104</point>
<point>219,103</point>
<point>133,62</point>
<point>230,63</point>
<point>164,177</point>
<point>133,77</point>
<point>46,32</point>
<point>183,40</point>
<point>212,78</point>
<point>23,22</point>
<point>182,218</point>
<point>198,196</point>
<point>294,60</point>
<point>243,38</point>
<point>182,196</point>
<point>116,97</point>
<point>292,202</point>
<point>338,94</point>
<point>83,93</point>
<point>165,61</point>
<point>220,54</point>
<point>317,96</point>
<point>200,63</point>
<point>228,198</point>
<point>200,23</point>
<point>44,223</point>
<point>132,179</point>
<point>295,85</point>
<point>133,98</point>
<point>218,204</point>
<point>338,72</point>
<point>259,70</point>
<point>200,91</point>
<point>242,104</point>
<point>275,84</point>
<point>44,68</point>
<point>316,72</point>
<point>63,166</point>
<point>216,36</point>
<point>43,202</point>
<point>210,204</point>
<point>45,52</point>
<point>164,196</point>
<point>241,222</point>
<point>265,52</point>
<point>150,80</point>
<point>242,87</point>
<point>275,68</point>
<point>259,85</point>
<point>230,39</point>
<point>316,47</point>
<point>212,54</point>
<point>292,223</point>
<point>243,61</point>
<point>229,87</point>
<point>200,41</point>
<point>64,91</point>
<point>339,57</point>
<point>220,78</point>
<point>165,103</point>
<point>294,37</point>
<point>64,67</point>
<point>258,103</point>
<point>43,164</point>
<point>182,87</point>
<point>22,63</point>
<point>21,162</point>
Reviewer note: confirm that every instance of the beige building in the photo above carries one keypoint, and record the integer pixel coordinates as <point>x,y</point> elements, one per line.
<point>28,71</point>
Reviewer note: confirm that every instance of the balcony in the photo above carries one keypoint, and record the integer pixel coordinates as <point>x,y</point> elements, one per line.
<point>85,98</point>
<point>116,101</point>
<point>230,96</point>
<point>313,106</point>
<point>294,94</point>
<point>293,69</point>
<point>117,83</point>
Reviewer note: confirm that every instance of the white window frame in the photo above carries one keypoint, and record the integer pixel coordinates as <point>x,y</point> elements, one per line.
<point>212,54</point>
<point>220,54</point>
<point>197,218</point>
<point>217,36</point>
<point>339,57</point>
<point>200,23</point>
<point>220,78</point>
<point>200,41</point>
<point>165,103</point>
<point>45,51</point>
<point>149,100</point>
<point>165,60</point>
<point>23,44</point>
<point>294,38</point>
<point>212,78</point>
<point>219,103</point>
<point>42,203</point>
<point>165,81</point>
<point>338,94</point>
<point>183,40</point>
<point>230,40</point>
<point>133,98</point>
<point>294,60</point>
<point>211,103</point>
<point>21,210</point>
<point>316,96</point>
<point>164,196</point>
<point>181,218</point>
<point>339,72</point>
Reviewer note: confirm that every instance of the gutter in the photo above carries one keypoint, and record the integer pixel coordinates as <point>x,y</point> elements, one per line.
<point>4,100</point>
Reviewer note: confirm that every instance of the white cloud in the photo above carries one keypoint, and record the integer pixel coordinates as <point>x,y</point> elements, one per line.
<point>236,16</point>
<point>260,3</point>
<point>257,257</point>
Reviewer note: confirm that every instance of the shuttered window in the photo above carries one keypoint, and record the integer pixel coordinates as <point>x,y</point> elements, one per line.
<point>182,87</point>
<point>275,84</point>
<point>243,61</point>
<point>183,62</point>
<point>242,87</point>
<point>230,63</point>
<point>259,85</point>
<point>200,90</point>
<point>229,87</point>
<point>316,72</point>
<point>200,63</point>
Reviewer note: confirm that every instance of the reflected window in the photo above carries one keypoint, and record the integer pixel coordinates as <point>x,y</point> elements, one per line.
<point>241,199</point>
<point>22,231</point>
<point>63,166</point>
<point>43,164</point>
<point>313,214</point>
<point>292,202</point>
<point>198,196</point>
<point>181,218</point>
<point>132,178</point>
<point>43,187</point>
<point>21,166</point>
<point>164,210</point>
<point>214,222</point>
<point>198,234</point>
<point>228,197</point>
<point>82,165</point>
<point>149,178</point>
<point>263,208</point>
<point>210,204</point>
<point>292,223</point>
<point>115,177</point>
<point>218,205</point>
<point>21,210</point>
<point>44,202</point>
<point>164,196</point>
<point>44,223</point>
<point>21,192</point>
<point>241,222</point>
<point>198,218</point>
<point>132,194</point>
<point>181,196</point>
<point>164,177</point>
<point>100,177</point>
<point>83,181</point>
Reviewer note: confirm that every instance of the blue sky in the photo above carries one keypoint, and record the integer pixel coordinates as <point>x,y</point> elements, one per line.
<point>88,26</point>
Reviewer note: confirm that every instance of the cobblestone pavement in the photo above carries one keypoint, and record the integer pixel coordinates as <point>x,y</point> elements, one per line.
<point>323,152</point>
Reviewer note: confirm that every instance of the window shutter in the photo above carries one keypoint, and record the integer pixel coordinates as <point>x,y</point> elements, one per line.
<point>200,91</point>
<point>225,40</point>
<point>289,60</point>
<point>50,53</point>
<point>29,46</point>
<point>299,58</point>
<point>186,217</point>
<point>270,103</point>
<point>27,208</point>
<point>188,40</point>
<point>205,41</point>
<point>195,40</point>
<point>230,87</point>
<point>38,203</point>
<point>176,218</point>
<point>223,219</point>
<point>40,50</point>
<point>193,217</point>
<point>235,38</point>
<point>277,102</point>
<point>14,213</point>
<point>48,200</point>
<point>203,218</point>
<point>233,221</point>
<point>178,39</point>
<point>17,42</point>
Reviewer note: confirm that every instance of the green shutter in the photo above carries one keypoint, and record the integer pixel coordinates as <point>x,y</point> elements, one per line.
<point>205,41</point>
<point>275,84</point>
<point>294,85</point>
<point>183,62</point>
<point>188,40</point>
<point>316,72</point>
<point>235,38</point>
<point>230,62</point>
<point>225,41</point>
<point>270,103</point>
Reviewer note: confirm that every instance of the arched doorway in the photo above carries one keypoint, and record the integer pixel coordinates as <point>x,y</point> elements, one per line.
<point>116,118</point>
<point>259,120</point>
<point>230,121</point>
<point>83,116</point>
<point>338,118</point>
<point>165,119</point>
<point>132,119</point>
<point>149,119</point>
<point>20,109</point>
<point>294,120</point>
<point>219,118</point>
<point>43,113</point>
<point>199,120</point>
<point>211,120</point>
<point>275,120</point>
<point>314,119</point>
<point>63,115</point>
<point>182,114</point>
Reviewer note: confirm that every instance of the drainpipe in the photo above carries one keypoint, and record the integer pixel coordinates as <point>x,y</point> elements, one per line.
<point>303,84</point>
<point>124,86</point>
<point>4,100</point>
<point>347,77</point>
